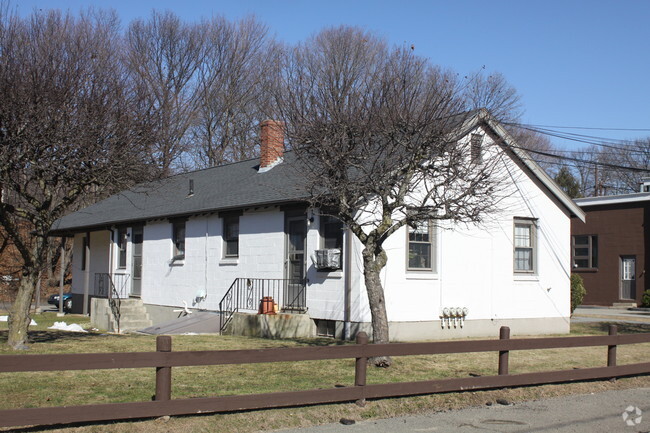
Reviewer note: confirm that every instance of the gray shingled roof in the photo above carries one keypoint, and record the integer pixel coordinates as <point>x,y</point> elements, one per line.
<point>231,186</point>
<point>239,185</point>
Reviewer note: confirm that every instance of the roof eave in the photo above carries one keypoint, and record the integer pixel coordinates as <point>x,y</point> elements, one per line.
<point>483,116</point>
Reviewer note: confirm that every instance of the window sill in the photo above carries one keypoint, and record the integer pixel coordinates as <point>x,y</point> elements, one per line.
<point>421,275</point>
<point>330,274</point>
<point>584,270</point>
<point>229,261</point>
<point>526,277</point>
<point>177,263</point>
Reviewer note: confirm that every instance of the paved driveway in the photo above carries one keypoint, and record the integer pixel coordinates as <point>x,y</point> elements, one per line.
<point>592,413</point>
<point>607,314</point>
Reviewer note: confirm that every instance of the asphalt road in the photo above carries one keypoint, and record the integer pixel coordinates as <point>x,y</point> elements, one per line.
<point>592,413</point>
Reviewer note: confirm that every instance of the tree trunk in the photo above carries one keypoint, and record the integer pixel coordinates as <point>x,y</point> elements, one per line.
<point>19,318</point>
<point>372,267</point>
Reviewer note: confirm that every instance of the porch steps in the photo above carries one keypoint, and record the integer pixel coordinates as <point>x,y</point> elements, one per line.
<point>133,316</point>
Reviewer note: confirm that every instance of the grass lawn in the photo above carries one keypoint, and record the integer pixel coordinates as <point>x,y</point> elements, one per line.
<point>40,389</point>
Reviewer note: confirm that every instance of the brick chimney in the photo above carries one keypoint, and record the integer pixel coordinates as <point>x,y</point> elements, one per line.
<point>271,144</point>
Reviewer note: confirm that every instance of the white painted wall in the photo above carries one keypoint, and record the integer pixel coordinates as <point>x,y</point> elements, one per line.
<point>261,255</point>
<point>474,264</point>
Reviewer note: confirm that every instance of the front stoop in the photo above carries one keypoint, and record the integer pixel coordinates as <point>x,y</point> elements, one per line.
<point>133,315</point>
<point>630,304</point>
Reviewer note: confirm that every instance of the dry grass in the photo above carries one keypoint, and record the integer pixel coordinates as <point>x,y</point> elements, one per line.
<point>41,389</point>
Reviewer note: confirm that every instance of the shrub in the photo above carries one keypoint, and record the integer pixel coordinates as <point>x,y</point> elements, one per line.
<point>645,300</point>
<point>578,291</point>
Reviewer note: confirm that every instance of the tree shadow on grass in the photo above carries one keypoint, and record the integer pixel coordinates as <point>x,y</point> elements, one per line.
<point>319,341</point>
<point>623,328</point>
<point>52,336</point>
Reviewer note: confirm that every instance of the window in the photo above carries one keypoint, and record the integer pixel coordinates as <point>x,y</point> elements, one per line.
<point>121,247</point>
<point>476,150</point>
<point>421,241</point>
<point>325,328</point>
<point>524,245</point>
<point>331,232</point>
<point>585,251</point>
<point>331,235</point>
<point>178,239</point>
<point>231,236</point>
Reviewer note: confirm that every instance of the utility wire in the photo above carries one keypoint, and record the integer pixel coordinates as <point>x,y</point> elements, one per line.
<point>588,127</point>
<point>568,158</point>
<point>624,145</point>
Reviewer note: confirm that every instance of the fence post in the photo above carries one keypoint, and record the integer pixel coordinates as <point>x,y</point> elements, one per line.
<point>361,366</point>
<point>163,374</point>
<point>611,349</point>
<point>504,334</point>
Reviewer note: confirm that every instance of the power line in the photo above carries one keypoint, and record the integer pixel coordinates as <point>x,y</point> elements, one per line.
<point>602,164</point>
<point>587,128</point>
<point>625,145</point>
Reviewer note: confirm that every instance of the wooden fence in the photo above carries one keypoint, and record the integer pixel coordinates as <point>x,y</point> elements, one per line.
<point>164,359</point>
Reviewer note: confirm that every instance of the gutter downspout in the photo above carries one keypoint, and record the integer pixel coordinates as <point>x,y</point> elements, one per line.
<point>347,286</point>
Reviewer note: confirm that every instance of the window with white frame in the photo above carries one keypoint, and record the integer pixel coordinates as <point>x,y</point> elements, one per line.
<point>525,240</point>
<point>122,238</point>
<point>584,249</point>
<point>421,247</point>
<point>178,239</point>
<point>231,236</point>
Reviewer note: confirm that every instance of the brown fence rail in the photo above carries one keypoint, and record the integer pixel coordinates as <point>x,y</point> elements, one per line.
<point>164,359</point>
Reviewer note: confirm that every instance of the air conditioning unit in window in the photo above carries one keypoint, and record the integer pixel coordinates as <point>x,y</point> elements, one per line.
<point>327,260</point>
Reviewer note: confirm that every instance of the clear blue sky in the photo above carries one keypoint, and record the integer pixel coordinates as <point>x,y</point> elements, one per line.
<point>575,63</point>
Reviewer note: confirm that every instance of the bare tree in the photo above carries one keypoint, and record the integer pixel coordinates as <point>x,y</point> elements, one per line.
<point>164,55</point>
<point>494,93</point>
<point>631,164</point>
<point>234,81</point>
<point>372,129</point>
<point>68,128</point>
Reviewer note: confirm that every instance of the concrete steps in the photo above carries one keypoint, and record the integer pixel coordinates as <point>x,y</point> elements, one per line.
<point>133,316</point>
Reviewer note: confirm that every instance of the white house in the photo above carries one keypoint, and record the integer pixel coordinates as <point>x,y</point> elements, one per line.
<point>237,233</point>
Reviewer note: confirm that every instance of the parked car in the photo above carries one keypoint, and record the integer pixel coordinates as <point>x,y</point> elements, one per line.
<point>67,301</point>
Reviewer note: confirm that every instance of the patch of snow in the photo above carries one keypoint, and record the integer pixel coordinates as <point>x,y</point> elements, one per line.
<point>62,326</point>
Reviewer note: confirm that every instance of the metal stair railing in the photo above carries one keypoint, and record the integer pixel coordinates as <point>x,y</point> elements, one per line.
<point>105,286</point>
<point>246,294</point>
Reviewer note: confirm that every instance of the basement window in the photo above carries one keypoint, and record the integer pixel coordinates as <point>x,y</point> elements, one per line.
<point>325,328</point>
